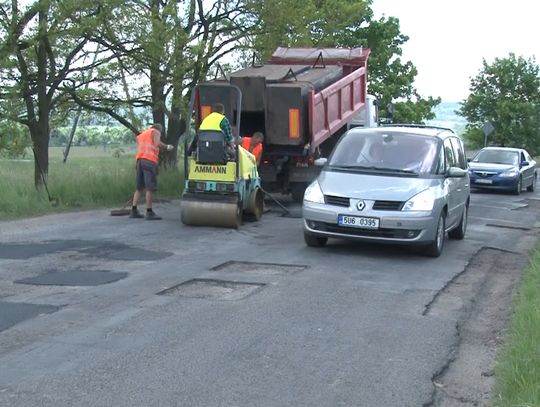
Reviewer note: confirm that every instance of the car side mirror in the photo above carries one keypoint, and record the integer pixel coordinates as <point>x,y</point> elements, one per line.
<point>320,162</point>
<point>524,164</point>
<point>455,172</point>
<point>469,159</point>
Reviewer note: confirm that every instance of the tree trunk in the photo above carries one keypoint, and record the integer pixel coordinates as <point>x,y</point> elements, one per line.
<point>40,140</point>
<point>40,130</point>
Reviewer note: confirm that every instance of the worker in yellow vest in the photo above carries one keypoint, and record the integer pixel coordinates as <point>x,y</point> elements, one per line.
<point>148,145</point>
<point>218,121</point>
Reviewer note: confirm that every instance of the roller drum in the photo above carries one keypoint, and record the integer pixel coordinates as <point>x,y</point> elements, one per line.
<point>211,212</point>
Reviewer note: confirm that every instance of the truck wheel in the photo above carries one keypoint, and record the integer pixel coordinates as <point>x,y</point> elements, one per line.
<point>297,191</point>
<point>314,241</point>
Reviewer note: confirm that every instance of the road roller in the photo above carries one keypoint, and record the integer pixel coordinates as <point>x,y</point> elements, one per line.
<point>220,186</point>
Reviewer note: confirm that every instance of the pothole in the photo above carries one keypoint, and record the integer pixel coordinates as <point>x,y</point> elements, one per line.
<point>213,289</point>
<point>261,268</point>
<point>75,278</point>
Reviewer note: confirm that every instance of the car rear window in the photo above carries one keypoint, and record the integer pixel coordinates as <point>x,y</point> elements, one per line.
<point>497,157</point>
<point>386,150</point>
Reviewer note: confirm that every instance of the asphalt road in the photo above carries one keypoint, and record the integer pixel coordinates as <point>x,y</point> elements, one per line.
<point>109,311</point>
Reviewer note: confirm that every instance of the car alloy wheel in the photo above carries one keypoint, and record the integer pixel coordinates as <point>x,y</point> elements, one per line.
<point>435,248</point>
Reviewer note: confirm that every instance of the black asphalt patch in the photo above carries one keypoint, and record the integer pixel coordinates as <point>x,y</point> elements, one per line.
<point>263,268</point>
<point>75,278</point>
<point>214,289</point>
<point>99,249</point>
<point>12,313</point>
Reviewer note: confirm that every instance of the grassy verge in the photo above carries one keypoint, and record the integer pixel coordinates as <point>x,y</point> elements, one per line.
<point>91,178</point>
<point>517,372</point>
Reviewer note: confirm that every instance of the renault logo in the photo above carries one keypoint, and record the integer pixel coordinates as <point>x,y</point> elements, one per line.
<point>360,205</point>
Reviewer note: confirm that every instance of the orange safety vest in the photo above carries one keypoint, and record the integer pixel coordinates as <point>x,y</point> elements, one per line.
<point>212,122</point>
<point>145,146</point>
<point>257,151</point>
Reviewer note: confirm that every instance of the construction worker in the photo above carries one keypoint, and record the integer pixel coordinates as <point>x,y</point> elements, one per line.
<point>254,145</point>
<point>217,121</point>
<point>148,145</point>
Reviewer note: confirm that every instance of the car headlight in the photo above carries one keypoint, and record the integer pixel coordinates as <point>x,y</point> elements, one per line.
<point>314,193</point>
<point>510,173</point>
<point>423,201</point>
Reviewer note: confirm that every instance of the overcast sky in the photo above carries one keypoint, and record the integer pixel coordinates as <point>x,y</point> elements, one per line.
<point>449,38</point>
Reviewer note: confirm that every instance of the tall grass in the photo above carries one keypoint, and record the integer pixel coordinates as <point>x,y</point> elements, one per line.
<point>517,372</point>
<point>91,178</point>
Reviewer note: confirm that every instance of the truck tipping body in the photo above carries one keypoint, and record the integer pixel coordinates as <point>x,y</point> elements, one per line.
<point>302,101</point>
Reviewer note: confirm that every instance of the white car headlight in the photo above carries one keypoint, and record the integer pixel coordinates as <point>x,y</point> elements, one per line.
<point>314,193</point>
<point>423,201</point>
<point>510,173</point>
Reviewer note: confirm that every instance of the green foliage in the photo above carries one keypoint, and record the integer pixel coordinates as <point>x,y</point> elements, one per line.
<point>14,139</point>
<point>517,371</point>
<point>92,136</point>
<point>333,23</point>
<point>506,93</point>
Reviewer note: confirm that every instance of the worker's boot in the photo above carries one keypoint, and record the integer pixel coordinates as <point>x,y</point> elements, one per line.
<point>151,215</point>
<point>135,214</point>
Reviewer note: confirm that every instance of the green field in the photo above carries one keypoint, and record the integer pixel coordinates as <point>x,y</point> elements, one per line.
<point>92,177</point>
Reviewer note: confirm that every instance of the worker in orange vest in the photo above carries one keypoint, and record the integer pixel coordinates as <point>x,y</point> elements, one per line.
<point>148,145</point>
<point>254,145</point>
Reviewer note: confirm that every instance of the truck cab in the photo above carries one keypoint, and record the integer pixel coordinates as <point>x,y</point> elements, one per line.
<point>368,116</point>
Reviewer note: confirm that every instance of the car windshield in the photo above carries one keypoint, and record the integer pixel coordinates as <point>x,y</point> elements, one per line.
<point>497,157</point>
<point>385,151</point>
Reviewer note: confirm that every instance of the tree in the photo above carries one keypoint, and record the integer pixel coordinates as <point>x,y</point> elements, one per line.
<point>160,64</point>
<point>507,94</point>
<point>350,23</point>
<point>42,46</point>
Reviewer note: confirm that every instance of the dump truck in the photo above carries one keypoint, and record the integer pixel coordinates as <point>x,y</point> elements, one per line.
<point>302,100</point>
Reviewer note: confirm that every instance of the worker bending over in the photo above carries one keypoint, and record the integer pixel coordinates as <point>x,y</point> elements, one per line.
<point>254,145</point>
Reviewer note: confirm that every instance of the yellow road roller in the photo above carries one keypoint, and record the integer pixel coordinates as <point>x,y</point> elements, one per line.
<point>219,187</point>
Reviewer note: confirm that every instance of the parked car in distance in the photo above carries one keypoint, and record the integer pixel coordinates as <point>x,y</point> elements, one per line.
<point>400,184</point>
<point>503,168</point>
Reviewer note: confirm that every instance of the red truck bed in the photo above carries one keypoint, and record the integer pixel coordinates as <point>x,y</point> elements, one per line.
<point>331,108</point>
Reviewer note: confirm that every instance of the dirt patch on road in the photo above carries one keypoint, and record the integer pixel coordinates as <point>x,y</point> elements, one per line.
<point>480,299</point>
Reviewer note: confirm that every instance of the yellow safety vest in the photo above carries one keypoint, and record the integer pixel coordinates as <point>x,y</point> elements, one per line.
<point>212,122</point>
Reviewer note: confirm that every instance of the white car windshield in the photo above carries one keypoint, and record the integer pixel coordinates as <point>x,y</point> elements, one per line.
<point>497,157</point>
<point>386,151</point>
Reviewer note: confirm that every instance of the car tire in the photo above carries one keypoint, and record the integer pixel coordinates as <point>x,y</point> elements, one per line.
<point>519,186</point>
<point>532,187</point>
<point>459,231</point>
<point>314,241</point>
<point>435,248</point>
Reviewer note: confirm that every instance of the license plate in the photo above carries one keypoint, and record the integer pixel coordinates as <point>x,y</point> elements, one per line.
<point>358,222</point>
<point>484,181</point>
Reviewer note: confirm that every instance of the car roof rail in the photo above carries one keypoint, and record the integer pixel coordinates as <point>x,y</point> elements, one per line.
<point>422,126</point>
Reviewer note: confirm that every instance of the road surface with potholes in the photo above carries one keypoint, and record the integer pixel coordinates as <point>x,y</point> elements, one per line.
<point>99,311</point>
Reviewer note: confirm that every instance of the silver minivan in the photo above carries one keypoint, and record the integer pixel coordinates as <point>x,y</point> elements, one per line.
<point>404,184</point>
